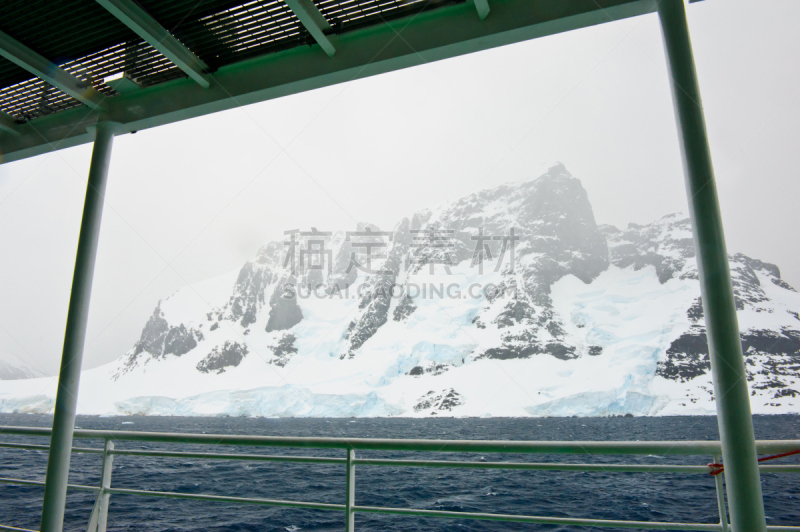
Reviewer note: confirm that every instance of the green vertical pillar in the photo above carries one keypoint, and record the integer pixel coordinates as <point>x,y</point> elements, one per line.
<point>724,343</point>
<point>55,489</point>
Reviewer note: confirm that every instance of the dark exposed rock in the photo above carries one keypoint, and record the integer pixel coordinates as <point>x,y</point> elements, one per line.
<point>248,293</point>
<point>746,285</point>
<point>515,311</point>
<point>284,350</point>
<point>451,400</point>
<point>374,304</point>
<point>153,334</point>
<point>559,351</point>
<point>555,329</point>
<point>507,353</point>
<point>695,312</point>
<point>229,355</point>
<point>284,312</point>
<point>783,284</point>
<point>645,245</point>
<point>785,392</point>
<point>159,339</point>
<point>376,295</point>
<point>778,354</point>
<point>180,340</point>
<point>687,357</point>
<point>432,369</point>
<point>444,401</point>
<point>404,308</point>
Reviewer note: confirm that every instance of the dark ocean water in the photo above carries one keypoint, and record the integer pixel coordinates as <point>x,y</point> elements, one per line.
<point>637,496</point>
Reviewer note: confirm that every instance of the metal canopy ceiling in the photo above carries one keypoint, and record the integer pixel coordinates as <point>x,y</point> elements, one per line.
<point>186,58</point>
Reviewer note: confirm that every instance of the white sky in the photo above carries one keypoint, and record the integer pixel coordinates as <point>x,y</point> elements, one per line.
<point>196,199</point>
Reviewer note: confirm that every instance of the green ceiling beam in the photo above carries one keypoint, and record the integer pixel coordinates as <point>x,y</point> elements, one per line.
<point>482,6</point>
<point>308,14</point>
<point>8,124</point>
<point>428,36</point>
<point>24,57</point>
<point>313,12</point>
<point>148,28</point>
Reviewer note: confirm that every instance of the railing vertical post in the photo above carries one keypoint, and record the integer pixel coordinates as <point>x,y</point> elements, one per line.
<point>720,489</point>
<point>99,518</point>
<point>105,483</point>
<point>55,490</point>
<point>350,501</point>
<point>724,343</point>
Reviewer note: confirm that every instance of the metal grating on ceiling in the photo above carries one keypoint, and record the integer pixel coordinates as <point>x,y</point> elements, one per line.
<point>223,32</point>
<point>343,15</point>
<point>66,30</point>
<point>33,97</point>
<point>87,41</point>
<point>253,28</point>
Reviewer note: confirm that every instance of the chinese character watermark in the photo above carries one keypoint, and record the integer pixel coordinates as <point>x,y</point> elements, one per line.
<point>433,246</point>
<point>309,254</point>
<point>367,240</point>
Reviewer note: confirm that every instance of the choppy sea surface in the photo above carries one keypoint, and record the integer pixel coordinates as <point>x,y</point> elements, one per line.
<point>632,496</point>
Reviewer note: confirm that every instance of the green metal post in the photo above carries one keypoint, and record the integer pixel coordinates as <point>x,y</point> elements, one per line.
<point>350,497</point>
<point>724,343</point>
<point>720,489</point>
<point>55,490</point>
<point>99,518</point>
<point>105,484</point>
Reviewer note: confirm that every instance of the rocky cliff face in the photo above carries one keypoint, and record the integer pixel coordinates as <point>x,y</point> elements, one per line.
<point>558,236</point>
<point>770,329</point>
<point>509,301</point>
<point>160,339</point>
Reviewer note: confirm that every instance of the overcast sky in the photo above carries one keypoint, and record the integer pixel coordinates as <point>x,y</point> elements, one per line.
<point>196,199</point>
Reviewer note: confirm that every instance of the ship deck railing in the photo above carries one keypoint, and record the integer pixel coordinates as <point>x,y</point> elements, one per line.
<point>98,518</point>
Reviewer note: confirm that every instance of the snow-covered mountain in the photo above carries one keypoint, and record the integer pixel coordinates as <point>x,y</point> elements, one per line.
<point>508,302</point>
<point>12,369</point>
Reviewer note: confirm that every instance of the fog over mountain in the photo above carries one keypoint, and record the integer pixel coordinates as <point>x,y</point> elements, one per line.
<point>510,301</point>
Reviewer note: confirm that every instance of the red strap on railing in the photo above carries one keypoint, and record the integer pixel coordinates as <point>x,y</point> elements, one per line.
<point>716,469</point>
